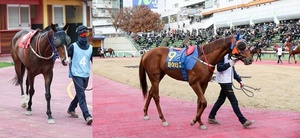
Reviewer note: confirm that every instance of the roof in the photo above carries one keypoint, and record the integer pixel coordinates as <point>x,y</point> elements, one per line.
<point>98,37</point>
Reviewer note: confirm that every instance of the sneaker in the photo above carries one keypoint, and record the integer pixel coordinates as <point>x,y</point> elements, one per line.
<point>213,121</point>
<point>89,120</point>
<point>73,114</point>
<point>248,123</point>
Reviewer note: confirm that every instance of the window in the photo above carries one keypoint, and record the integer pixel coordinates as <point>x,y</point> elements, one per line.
<point>18,17</point>
<point>58,12</point>
<point>176,5</point>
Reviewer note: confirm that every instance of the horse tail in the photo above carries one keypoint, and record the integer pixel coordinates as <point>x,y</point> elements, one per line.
<point>143,79</point>
<point>17,79</point>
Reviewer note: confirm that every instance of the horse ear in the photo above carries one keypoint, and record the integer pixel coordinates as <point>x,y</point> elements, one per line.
<point>53,27</point>
<point>66,27</point>
<point>237,36</point>
<point>242,36</point>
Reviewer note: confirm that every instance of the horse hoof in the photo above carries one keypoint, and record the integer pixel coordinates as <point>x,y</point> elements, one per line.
<point>165,124</point>
<point>192,123</point>
<point>28,113</point>
<point>146,117</point>
<point>202,127</point>
<point>51,121</point>
<point>24,105</point>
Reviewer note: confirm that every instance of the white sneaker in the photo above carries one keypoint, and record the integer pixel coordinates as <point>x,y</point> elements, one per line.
<point>89,120</point>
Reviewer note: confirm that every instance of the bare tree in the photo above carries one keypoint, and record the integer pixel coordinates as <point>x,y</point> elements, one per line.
<point>137,19</point>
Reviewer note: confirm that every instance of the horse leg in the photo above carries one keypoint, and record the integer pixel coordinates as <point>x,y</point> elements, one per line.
<point>201,104</point>
<point>146,117</point>
<point>257,57</point>
<point>48,79</point>
<point>295,58</point>
<point>289,58</point>
<point>20,71</point>
<point>155,94</point>
<point>30,84</point>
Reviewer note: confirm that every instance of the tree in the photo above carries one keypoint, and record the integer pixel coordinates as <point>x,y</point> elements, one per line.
<point>137,19</point>
<point>119,18</point>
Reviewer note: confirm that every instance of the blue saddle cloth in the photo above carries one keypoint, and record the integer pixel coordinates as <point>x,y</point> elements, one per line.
<point>176,59</point>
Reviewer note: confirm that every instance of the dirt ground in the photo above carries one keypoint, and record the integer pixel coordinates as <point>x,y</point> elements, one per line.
<point>279,88</point>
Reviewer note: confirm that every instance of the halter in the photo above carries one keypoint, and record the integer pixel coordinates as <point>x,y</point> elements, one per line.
<point>234,50</point>
<point>53,46</point>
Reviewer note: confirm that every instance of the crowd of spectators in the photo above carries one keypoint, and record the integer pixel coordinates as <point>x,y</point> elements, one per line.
<point>259,35</point>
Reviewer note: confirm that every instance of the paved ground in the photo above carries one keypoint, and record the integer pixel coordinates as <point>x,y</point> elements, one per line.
<point>117,112</point>
<point>14,122</point>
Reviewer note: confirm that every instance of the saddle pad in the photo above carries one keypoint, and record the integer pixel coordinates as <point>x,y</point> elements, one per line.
<point>176,59</point>
<point>188,51</point>
<point>25,39</point>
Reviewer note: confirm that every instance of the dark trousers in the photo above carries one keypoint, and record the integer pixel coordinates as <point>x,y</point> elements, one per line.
<point>226,91</point>
<point>279,59</point>
<point>80,86</point>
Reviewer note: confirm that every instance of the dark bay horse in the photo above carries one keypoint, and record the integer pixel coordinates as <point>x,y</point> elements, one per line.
<point>37,55</point>
<point>110,51</point>
<point>153,63</point>
<point>256,50</point>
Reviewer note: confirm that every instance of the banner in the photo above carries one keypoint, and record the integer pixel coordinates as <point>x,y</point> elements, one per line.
<point>152,4</point>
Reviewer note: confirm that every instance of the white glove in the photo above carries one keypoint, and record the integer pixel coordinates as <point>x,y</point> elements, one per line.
<point>232,62</point>
<point>241,84</point>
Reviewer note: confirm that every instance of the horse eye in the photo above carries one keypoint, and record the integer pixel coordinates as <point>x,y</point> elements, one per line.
<point>57,41</point>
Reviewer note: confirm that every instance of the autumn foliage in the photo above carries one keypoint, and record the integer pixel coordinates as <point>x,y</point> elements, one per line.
<point>137,19</point>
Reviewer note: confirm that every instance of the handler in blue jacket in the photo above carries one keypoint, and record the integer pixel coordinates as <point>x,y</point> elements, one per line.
<point>80,53</point>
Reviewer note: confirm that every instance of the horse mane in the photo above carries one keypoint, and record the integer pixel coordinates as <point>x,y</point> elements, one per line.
<point>48,28</point>
<point>210,47</point>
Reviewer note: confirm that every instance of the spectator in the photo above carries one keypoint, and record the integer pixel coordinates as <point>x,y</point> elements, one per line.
<point>279,54</point>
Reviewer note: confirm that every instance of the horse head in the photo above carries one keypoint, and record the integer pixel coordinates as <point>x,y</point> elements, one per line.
<point>240,50</point>
<point>61,40</point>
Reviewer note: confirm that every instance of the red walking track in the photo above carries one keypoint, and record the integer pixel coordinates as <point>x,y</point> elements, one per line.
<point>118,112</point>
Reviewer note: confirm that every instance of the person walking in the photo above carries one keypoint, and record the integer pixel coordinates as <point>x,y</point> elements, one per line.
<point>80,53</point>
<point>279,53</point>
<point>224,76</point>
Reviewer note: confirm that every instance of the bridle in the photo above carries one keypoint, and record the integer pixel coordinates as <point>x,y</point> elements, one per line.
<point>54,47</point>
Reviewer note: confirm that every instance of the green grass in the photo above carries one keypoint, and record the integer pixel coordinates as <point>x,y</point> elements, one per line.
<point>6,64</point>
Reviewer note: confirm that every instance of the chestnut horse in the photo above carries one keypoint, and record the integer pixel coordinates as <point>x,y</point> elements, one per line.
<point>37,55</point>
<point>293,50</point>
<point>154,64</point>
<point>110,51</point>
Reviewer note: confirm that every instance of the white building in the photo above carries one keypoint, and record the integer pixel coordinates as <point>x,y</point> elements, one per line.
<point>212,13</point>
<point>228,13</point>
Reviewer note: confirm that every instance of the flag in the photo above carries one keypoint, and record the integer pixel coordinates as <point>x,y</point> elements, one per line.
<point>276,19</point>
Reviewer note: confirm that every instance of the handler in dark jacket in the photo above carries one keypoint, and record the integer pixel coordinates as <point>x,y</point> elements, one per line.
<point>224,76</point>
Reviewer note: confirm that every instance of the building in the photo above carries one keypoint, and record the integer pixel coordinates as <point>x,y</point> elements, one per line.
<point>228,13</point>
<point>102,8</point>
<point>33,14</point>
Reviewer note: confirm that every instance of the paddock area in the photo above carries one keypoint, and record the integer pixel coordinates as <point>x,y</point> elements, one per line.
<point>14,122</point>
<point>118,103</point>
